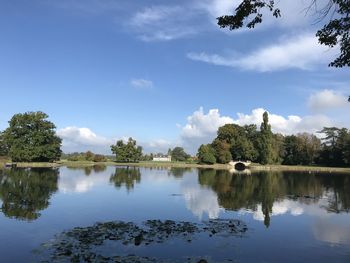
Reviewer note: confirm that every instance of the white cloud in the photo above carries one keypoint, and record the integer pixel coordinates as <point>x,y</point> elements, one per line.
<point>83,139</point>
<point>294,13</point>
<point>141,83</point>
<point>200,124</point>
<point>77,139</point>
<point>201,127</point>
<point>300,52</point>
<point>297,13</point>
<point>163,23</point>
<point>151,15</point>
<point>216,8</point>
<point>158,146</point>
<point>327,100</point>
<point>286,125</point>
<point>168,22</point>
<point>81,135</point>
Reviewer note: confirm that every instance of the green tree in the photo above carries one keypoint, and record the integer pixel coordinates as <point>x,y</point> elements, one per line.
<point>240,141</point>
<point>329,149</point>
<point>76,157</point>
<point>128,152</point>
<point>301,149</point>
<point>335,32</point>
<point>222,151</point>
<point>291,150</point>
<point>265,141</point>
<point>335,146</point>
<point>230,133</point>
<point>243,149</point>
<point>343,146</point>
<point>346,150</point>
<point>147,157</point>
<point>30,137</point>
<point>99,158</point>
<point>89,156</point>
<point>206,154</point>
<point>252,136</point>
<point>277,148</point>
<point>311,146</point>
<point>179,154</point>
<point>3,146</point>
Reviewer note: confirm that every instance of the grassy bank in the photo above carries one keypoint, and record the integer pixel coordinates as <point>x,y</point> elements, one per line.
<point>253,167</point>
<point>300,168</point>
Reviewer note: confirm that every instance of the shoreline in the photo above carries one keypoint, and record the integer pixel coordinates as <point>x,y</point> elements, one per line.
<point>253,167</point>
<point>299,168</point>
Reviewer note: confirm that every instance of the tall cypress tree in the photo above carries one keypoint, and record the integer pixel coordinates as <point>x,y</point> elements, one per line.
<point>265,141</point>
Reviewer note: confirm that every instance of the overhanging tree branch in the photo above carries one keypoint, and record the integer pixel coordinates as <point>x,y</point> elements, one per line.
<point>335,33</point>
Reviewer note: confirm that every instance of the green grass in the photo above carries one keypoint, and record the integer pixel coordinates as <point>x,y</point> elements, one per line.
<point>278,167</point>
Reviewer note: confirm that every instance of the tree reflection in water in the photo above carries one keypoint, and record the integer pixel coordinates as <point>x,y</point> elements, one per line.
<point>237,191</point>
<point>178,172</point>
<point>97,168</point>
<point>126,176</point>
<point>25,192</point>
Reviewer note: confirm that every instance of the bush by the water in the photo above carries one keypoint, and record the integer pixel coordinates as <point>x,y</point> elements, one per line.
<point>85,156</point>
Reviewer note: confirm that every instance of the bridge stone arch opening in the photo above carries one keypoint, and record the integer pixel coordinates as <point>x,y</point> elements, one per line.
<point>240,166</point>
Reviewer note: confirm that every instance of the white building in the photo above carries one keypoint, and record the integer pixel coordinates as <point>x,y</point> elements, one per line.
<point>162,158</point>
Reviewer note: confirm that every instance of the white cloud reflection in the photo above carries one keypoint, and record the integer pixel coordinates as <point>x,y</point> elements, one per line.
<point>331,230</point>
<point>77,181</point>
<point>279,208</point>
<point>201,201</point>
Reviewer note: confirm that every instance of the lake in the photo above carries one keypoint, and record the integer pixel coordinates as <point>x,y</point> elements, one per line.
<point>128,214</point>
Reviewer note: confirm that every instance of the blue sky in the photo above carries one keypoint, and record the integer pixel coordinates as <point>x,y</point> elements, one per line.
<point>163,72</point>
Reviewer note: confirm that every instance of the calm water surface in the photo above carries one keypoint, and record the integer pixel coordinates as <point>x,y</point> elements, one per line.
<point>290,217</point>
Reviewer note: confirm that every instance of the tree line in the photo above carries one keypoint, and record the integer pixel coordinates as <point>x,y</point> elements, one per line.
<point>88,156</point>
<point>130,152</point>
<point>31,137</point>
<point>234,142</point>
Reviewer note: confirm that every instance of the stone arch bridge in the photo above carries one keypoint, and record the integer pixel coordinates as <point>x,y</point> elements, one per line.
<point>240,165</point>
